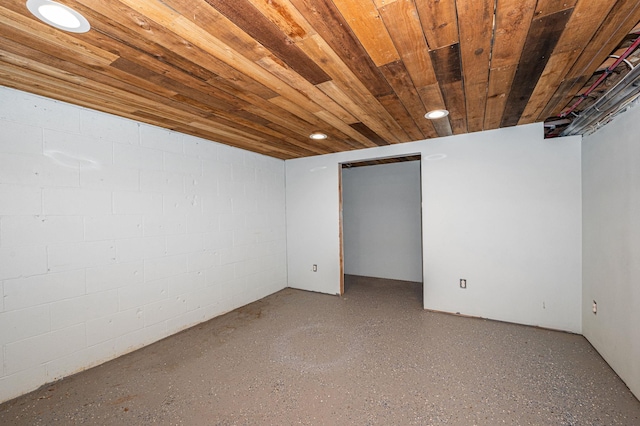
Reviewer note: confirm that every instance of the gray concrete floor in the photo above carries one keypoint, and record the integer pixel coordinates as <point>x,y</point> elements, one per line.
<point>371,357</point>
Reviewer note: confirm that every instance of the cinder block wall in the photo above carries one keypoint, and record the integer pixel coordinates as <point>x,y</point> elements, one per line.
<point>115,234</point>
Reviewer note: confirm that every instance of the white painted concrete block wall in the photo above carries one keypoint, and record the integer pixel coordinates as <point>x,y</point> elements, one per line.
<point>115,234</point>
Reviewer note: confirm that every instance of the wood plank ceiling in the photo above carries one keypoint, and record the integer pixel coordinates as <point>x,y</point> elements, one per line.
<point>264,74</point>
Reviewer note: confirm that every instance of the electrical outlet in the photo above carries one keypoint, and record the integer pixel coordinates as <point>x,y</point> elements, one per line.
<point>315,268</point>
<point>594,308</point>
<point>463,283</point>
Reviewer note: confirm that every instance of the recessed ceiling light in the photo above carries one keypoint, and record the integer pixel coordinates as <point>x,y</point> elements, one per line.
<point>58,15</point>
<point>436,113</point>
<point>317,136</point>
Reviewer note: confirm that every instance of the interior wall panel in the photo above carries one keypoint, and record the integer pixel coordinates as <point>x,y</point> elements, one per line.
<point>501,209</point>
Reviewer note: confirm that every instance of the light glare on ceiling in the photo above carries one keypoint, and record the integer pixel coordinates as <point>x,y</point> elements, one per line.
<point>58,15</point>
<point>317,136</point>
<point>436,113</point>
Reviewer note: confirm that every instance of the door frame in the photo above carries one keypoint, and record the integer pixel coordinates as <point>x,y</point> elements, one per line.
<point>369,162</point>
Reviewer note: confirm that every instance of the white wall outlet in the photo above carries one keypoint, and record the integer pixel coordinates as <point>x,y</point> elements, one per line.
<point>315,268</point>
<point>463,283</point>
<point>594,307</point>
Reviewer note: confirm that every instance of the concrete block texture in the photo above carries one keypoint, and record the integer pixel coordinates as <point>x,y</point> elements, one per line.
<point>27,230</point>
<point>20,199</point>
<point>112,235</point>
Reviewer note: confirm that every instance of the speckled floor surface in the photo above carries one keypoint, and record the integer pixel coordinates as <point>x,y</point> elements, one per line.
<point>371,357</point>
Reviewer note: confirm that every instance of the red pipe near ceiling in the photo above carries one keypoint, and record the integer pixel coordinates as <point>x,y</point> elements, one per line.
<point>604,75</point>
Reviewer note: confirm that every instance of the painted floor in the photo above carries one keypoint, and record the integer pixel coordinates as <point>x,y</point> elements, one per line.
<point>371,357</point>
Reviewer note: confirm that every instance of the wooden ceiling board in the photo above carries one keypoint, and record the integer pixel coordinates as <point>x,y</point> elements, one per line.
<point>286,17</point>
<point>500,82</point>
<point>475,21</point>
<point>581,28</point>
<point>253,22</point>
<point>179,53</point>
<point>382,3</point>
<point>513,20</point>
<point>241,54</point>
<point>439,22</point>
<point>542,38</point>
<point>354,140</point>
<point>354,103</point>
<point>548,7</point>
<point>403,23</point>
<point>209,90</point>
<point>334,29</point>
<point>453,94</point>
<point>432,97</point>
<point>57,78</point>
<point>392,104</point>
<point>315,123</point>
<point>12,51</point>
<point>370,134</point>
<point>320,101</point>
<point>542,94</point>
<point>446,64</point>
<point>283,119</point>
<point>353,94</point>
<point>63,44</point>
<point>264,74</point>
<point>397,75</point>
<point>367,25</point>
<point>448,68</point>
<point>372,113</point>
<point>622,18</point>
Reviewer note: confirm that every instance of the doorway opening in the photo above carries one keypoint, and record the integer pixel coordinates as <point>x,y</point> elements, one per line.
<point>381,222</point>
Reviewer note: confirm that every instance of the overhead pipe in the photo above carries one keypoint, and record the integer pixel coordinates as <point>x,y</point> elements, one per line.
<point>629,64</point>
<point>604,75</point>
<point>608,105</point>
